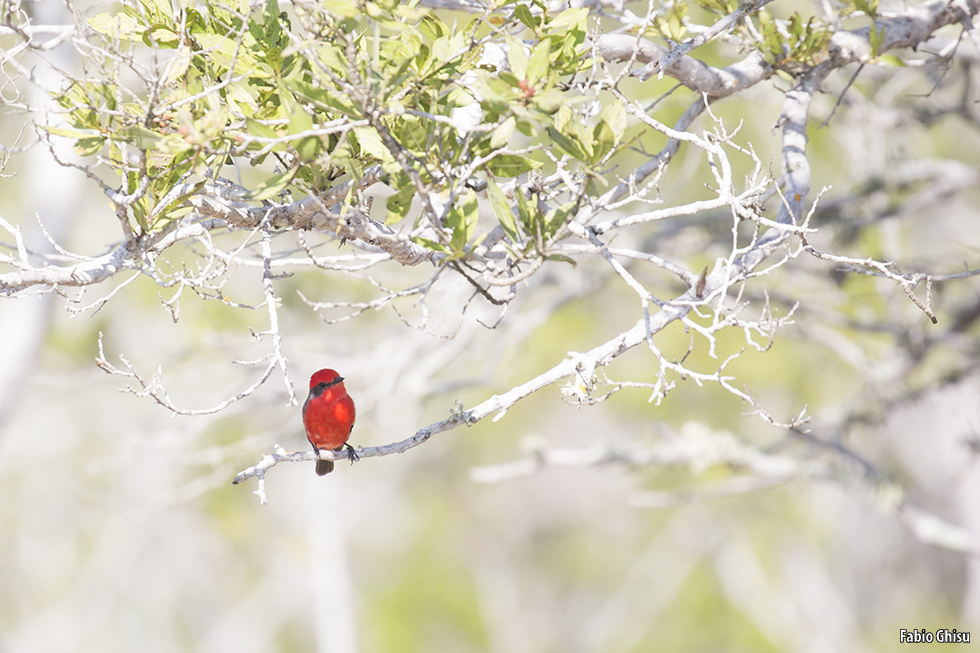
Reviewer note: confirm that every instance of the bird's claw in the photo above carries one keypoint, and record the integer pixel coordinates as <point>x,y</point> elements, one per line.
<point>352,454</point>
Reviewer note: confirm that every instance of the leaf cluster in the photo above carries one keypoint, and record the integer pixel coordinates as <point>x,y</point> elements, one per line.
<point>794,44</point>
<point>669,21</point>
<point>337,88</point>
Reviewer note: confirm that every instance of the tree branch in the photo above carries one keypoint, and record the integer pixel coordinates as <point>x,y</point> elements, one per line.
<point>728,22</point>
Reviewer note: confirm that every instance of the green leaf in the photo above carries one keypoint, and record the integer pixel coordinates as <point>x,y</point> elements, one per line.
<point>462,219</point>
<point>562,117</point>
<point>537,66</point>
<point>139,214</point>
<point>603,140</point>
<point>223,51</point>
<point>159,9</point>
<point>517,58</point>
<point>562,258</point>
<point>570,19</point>
<point>321,97</point>
<point>161,36</point>
<point>256,128</point>
<point>869,7</point>
<point>549,101</point>
<point>399,204</point>
<point>525,211</point>
<point>614,115</point>
<point>443,50</point>
<point>495,88</point>
<point>178,65</point>
<point>272,186</point>
<point>396,53</point>
<point>502,133</point>
<point>459,97</point>
<point>479,240</point>
<point>173,210</point>
<point>240,101</point>
<point>676,29</point>
<point>299,120</point>
<point>570,146</point>
<point>512,165</point>
<point>501,209</point>
<point>140,136</point>
<point>722,7</point>
<point>331,56</point>
<point>892,60</point>
<point>168,216</point>
<point>412,132</point>
<point>431,244</point>
<point>370,142</point>
<point>432,27</point>
<point>90,145</point>
<point>117,26</point>
<point>523,14</point>
<point>68,132</point>
<point>795,26</point>
<point>772,44</point>
<point>875,37</point>
<point>309,148</point>
<point>341,8</point>
<point>557,218</point>
<point>574,53</point>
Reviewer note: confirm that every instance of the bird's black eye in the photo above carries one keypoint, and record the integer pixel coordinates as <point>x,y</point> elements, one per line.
<point>323,385</point>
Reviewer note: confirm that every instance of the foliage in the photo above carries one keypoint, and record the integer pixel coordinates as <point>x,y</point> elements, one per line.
<point>377,83</point>
<point>792,45</point>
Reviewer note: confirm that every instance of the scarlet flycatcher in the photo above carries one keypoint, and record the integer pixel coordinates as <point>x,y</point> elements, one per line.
<point>328,416</point>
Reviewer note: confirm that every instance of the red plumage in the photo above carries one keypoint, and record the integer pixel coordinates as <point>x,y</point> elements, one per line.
<point>328,416</point>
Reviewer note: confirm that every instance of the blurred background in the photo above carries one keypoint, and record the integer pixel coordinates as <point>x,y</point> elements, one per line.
<point>120,529</point>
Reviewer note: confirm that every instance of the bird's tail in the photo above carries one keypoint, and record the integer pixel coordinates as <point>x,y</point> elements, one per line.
<point>324,467</point>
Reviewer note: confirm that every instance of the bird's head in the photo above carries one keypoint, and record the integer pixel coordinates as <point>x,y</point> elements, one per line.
<point>325,379</point>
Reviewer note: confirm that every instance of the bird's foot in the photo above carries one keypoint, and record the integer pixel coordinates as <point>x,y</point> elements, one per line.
<point>352,454</point>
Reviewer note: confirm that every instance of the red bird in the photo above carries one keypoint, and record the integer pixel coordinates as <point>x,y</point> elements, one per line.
<point>328,416</point>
